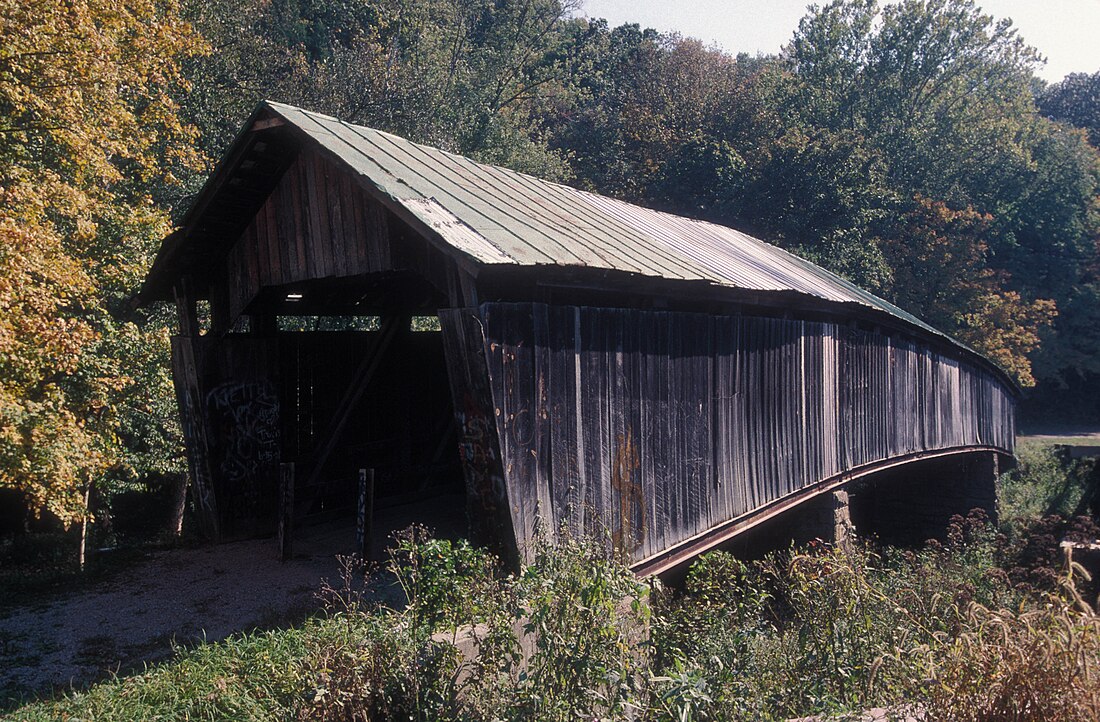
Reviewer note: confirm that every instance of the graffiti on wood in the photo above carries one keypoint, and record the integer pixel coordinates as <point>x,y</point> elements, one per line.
<point>479,457</point>
<point>245,423</point>
<point>202,487</point>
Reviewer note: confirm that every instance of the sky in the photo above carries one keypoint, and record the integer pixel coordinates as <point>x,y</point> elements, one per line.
<point>1066,32</point>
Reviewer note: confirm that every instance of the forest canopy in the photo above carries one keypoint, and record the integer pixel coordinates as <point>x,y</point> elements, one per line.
<point>909,147</point>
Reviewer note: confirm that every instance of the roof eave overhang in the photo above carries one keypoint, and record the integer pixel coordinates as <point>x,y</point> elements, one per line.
<point>182,250</point>
<point>170,264</point>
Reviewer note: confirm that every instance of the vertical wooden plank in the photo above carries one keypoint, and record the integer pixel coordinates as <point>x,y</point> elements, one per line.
<point>622,447</point>
<point>634,368</point>
<point>269,235</point>
<point>629,504</point>
<point>679,483</point>
<point>336,208</point>
<point>767,452</point>
<point>720,334</point>
<point>651,437</point>
<point>284,225</point>
<point>701,442</point>
<point>379,219</point>
<point>286,512</point>
<point>254,256</point>
<point>594,414</point>
<point>509,330</point>
<point>653,411</point>
<point>487,494</point>
<point>305,243</point>
<point>566,458</point>
<point>313,204</point>
<point>321,210</point>
<point>281,271</point>
<point>749,391</point>
<point>546,512</point>
<point>355,235</point>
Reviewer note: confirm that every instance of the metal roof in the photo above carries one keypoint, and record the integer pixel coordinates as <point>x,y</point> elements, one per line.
<point>499,217</point>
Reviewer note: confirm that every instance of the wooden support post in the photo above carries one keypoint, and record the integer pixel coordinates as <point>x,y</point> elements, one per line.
<point>186,361</point>
<point>364,523</point>
<point>286,511</point>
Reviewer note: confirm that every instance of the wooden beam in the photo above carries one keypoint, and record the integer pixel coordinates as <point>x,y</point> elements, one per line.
<point>185,376</point>
<point>193,423</point>
<point>286,512</point>
<point>265,123</point>
<point>488,508</point>
<point>365,519</point>
<point>186,308</point>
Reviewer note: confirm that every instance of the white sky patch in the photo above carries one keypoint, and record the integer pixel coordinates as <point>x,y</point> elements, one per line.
<point>1066,32</point>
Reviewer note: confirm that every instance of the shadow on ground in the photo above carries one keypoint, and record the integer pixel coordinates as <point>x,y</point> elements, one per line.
<point>181,597</point>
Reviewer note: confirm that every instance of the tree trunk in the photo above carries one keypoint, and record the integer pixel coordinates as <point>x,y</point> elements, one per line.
<point>84,525</point>
<point>179,504</point>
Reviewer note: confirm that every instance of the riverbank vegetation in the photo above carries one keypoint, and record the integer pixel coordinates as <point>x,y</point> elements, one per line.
<point>971,628</point>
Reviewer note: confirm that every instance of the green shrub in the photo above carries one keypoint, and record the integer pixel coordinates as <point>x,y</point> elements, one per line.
<point>1045,482</point>
<point>815,630</point>
<point>588,615</point>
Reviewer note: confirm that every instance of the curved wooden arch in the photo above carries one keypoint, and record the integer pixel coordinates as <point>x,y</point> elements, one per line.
<point>684,552</point>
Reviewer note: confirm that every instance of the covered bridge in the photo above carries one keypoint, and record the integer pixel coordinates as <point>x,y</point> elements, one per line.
<point>596,365</point>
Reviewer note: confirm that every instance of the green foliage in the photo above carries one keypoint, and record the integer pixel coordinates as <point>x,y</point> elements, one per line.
<point>1045,481</point>
<point>470,76</point>
<point>1076,101</point>
<point>582,609</point>
<point>88,128</point>
<point>442,580</point>
<point>818,630</point>
<point>823,194</point>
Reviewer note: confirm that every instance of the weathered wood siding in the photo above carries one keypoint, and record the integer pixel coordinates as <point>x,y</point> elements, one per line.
<point>317,223</point>
<point>487,508</point>
<point>656,426</point>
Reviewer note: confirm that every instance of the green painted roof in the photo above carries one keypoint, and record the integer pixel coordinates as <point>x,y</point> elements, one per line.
<point>499,217</point>
<point>495,217</point>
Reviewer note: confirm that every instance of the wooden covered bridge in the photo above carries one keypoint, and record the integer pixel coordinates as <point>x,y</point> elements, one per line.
<point>596,365</point>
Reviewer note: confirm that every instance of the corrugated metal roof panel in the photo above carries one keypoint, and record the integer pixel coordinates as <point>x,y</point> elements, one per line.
<point>501,217</point>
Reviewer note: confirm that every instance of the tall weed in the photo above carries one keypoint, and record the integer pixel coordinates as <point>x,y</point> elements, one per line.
<point>943,631</point>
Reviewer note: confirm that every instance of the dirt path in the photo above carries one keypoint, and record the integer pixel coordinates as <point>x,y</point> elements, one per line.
<point>183,596</point>
<point>1062,434</point>
<point>178,596</point>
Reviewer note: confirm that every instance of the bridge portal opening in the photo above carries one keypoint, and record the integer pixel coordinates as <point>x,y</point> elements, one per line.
<point>321,382</point>
<point>914,502</point>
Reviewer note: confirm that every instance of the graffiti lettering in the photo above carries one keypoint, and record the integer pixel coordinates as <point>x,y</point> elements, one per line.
<point>245,419</point>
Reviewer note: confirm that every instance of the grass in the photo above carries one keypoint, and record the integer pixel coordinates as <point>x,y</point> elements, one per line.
<point>812,630</point>
<point>985,626</point>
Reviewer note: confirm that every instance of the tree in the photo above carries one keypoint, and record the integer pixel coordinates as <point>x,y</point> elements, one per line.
<point>470,76</point>
<point>1076,101</point>
<point>87,127</point>
<point>941,273</point>
<point>942,94</point>
<point>824,195</point>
